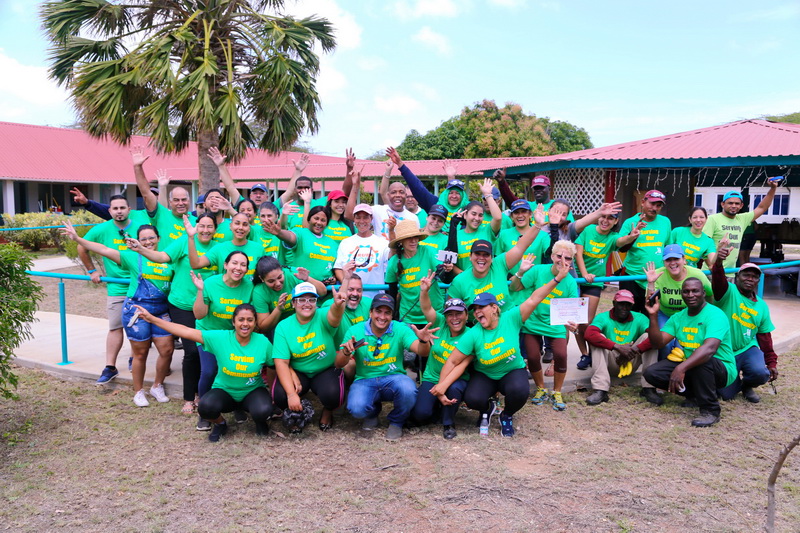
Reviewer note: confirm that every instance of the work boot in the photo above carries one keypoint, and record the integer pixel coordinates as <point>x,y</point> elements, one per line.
<point>705,419</point>
<point>750,395</point>
<point>650,394</point>
<point>597,397</point>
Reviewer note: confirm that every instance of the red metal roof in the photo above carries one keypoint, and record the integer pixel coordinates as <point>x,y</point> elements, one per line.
<point>744,138</point>
<point>43,153</point>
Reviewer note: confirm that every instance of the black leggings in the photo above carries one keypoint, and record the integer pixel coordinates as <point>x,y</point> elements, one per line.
<point>514,386</point>
<point>191,357</point>
<point>328,385</point>
<point>258,403</point>
<point>533,347</point>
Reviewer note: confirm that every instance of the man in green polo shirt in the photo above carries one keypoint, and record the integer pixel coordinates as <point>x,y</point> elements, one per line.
<point>731,223</point>
<point>703,363</point>
<point>124,222</point>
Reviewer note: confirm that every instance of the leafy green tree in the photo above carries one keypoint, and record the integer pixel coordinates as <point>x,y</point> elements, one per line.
<point>183,70</point>
<point>486,130</point>
<point>792,118</point>
<point>19,296</point>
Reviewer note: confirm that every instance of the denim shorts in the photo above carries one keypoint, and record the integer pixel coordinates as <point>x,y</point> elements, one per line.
<point>142,330</point>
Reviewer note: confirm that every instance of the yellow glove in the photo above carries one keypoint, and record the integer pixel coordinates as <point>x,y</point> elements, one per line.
<point>677,355</point>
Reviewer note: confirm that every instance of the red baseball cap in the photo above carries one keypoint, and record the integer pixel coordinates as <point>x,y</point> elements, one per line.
<point>655,196</point>
<point>333,195</point>
<point>540,181</point>
<point>624,296</point>
<point>750,266</point>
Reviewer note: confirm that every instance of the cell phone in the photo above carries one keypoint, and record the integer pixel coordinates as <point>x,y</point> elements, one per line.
<point>124,234</point>
<point>776,178</point>
<point>359,344</point>
<point>652,300</point>
<point>446,256</point>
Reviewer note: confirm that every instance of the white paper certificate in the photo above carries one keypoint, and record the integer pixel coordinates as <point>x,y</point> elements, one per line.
<point>563,310</point>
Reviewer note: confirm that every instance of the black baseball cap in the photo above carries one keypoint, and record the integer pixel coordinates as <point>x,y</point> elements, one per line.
<point>438,210</point>
<point>381,300</point>
<point>481,246</point>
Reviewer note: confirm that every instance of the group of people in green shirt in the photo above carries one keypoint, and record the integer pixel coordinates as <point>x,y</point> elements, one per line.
<point>253,299</point>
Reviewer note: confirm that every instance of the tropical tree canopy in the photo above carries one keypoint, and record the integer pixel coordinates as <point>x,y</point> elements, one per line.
<point>792,118</point>
<point>486,130</point>
<point>227,73</point>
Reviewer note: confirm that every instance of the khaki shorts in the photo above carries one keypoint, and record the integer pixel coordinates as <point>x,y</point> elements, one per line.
<point>114,311</point>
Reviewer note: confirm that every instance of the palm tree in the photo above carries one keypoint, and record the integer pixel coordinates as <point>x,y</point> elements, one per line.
<point>183,70</point>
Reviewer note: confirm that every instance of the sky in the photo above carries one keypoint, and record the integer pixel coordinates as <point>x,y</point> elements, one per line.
<point>622,70</point>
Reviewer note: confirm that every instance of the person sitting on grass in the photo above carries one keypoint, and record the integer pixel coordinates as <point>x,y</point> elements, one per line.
<point>243,356</point>
<point>748,316</point>
<point>377,346</point>
<point>618,338</point>
<point>703,363</point>
<point>492,345</point>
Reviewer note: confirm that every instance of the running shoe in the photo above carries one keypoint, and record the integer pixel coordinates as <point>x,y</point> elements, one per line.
<point>109,373</point>
<point>140,399</point>
<point>506,425</point>
<point>558,401</point>
<point>157,392</point>
<point>203,424</point>
<point>540,396</point>
<point>585,362</point>
<point>218,431</point>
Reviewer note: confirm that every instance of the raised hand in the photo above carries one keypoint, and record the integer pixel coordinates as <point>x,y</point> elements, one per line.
<point>349,268</point>
<point>301,164</point>
<point>562,271</point>
<point>500,174</point>
<point>282,299</point>
<point>302,274</point>
<point>132,244</point>
<point>338,297</point>
<point>486,187</point>
<point>78,196</point>
<point>557,214</point>
<point>291,209</point>
<point>137,156</point>
<point>610,208</point>
<point>388,171</point>
<point>637,229</point>
<point>426,334</point>
<point>349,159</point>
<point>650,271</point>
<point>216,156</point>
<point>306,195</point>
<point>394,156</point>
<point>450,169</point>
<point>162,178</point>
<point>68,231</point>
<point>724,243</point>
<point>526,263</point>
<point>538,215</point>
<point>223,204</point>
<point>197,280</point>
<point>391,222</point>
<point>191,231</point>
<point>426,282</point>
<point>271,227</point>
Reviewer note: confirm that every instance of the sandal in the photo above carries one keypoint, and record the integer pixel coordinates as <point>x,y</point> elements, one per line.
<point>188,408</point>
<point>325,427</point>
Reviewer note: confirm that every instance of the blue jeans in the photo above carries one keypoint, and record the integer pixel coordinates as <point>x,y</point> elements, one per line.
<point>428,406</point>
<point>664,352</point>
<point>365,397</point>
<point>754,372</point>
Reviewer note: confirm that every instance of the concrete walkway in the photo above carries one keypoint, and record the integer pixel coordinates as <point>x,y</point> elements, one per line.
<point>87,336</point>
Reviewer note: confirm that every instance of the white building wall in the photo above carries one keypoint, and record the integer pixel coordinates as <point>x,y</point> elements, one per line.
<point>710,194</point>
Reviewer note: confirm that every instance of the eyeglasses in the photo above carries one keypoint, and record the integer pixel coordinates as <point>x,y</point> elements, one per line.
<point>147,239</point>
<point>306,300</point>
<point>565,258</point>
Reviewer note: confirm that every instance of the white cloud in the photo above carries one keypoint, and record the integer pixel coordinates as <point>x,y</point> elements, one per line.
<point>398,104</point>
<point>331,82</point>
<point>413,9</point>
<point>434,40</point>
<point>27,84</point>
<point>347,30</point>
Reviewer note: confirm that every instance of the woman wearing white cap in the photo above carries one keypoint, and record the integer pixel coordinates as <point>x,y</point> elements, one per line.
<point>493,346</point>
<point>304,353</point>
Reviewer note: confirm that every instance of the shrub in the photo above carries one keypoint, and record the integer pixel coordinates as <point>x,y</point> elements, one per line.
<point>34,239</point>
<point>19,297</point>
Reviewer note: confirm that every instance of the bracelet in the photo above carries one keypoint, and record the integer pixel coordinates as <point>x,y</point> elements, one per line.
<point>424,342</point>
<point>92,271</point>
<point>518,276</point>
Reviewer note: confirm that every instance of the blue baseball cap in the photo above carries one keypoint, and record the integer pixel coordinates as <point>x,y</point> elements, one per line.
<point>516,205</point>
<point>484,299</point>
<point>732,194</point>
<point>458,184</point>
<point>258,186</point>
<point>495,193</point>
<point>438,210</point>
<point>201,200</point>
<point>304,288</point>
<point>672,251</point>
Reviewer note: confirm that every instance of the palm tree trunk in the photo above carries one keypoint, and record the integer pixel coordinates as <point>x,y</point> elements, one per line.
<point>209,174</point>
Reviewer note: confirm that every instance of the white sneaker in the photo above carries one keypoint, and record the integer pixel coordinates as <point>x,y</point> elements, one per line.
<point>157,392</point>
<point>140,399</point>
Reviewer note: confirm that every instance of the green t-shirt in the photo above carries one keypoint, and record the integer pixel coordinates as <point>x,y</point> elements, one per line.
<point>621,332</point>
<point>505,221</point>
<point>414,269</point>
<point>295,222</point>
<point>309,347</point>
<point>389,357</point>
<point>695,248</point>
<point>547,207</point>
<point>649,246</point>
<point>170,227</point>
<point>496,351</point>
<point>316,253</point>
<point>350,317</point>
<point>221,301</point>
<point>508,238</point>
<point>182,294</point>
<point>718,225</point>
<point>337,230</point>
<point>466,286</point>
<point>437,242</point>
<point>465,241</point>
<point>746,318</point>
<point>219,253</point>
<point>265,300</point>
<point>223,233</point>
<point>671,299</point>
<point>238,367</point>
<point>159,274</point>
<point>269,242</point>
<point>441,350</point>
<point>108,235</point>
<point>539,321</point>
<point>596,250</point>
<point>422,216</point>
<point>709,323</point>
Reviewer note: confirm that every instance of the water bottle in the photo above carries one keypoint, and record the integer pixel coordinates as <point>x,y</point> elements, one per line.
<point>484,425</point>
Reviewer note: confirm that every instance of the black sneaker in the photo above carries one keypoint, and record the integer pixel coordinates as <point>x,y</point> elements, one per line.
<point>585,362</point>
<point>449,432</point>
<point>218,431</point>
<point>705,419</point>
<point>177,344</point>
<point>750,395</point>
<point>506,425</point>
<point>689,403</point>
<point>548,356</point>
<point>203,424</point>
<point>597,397</point>
<point>650,394</point>
<point>240,416</point>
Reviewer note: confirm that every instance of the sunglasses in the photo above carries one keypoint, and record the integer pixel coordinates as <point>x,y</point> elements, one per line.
<point>306,300</point>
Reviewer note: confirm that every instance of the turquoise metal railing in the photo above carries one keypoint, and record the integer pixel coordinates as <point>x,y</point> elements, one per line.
<point>63,305</point>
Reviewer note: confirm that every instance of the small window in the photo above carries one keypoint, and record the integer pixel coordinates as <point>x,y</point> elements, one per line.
<point>719,202</point>
<point>780,205</point>
<point>698,199</point>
